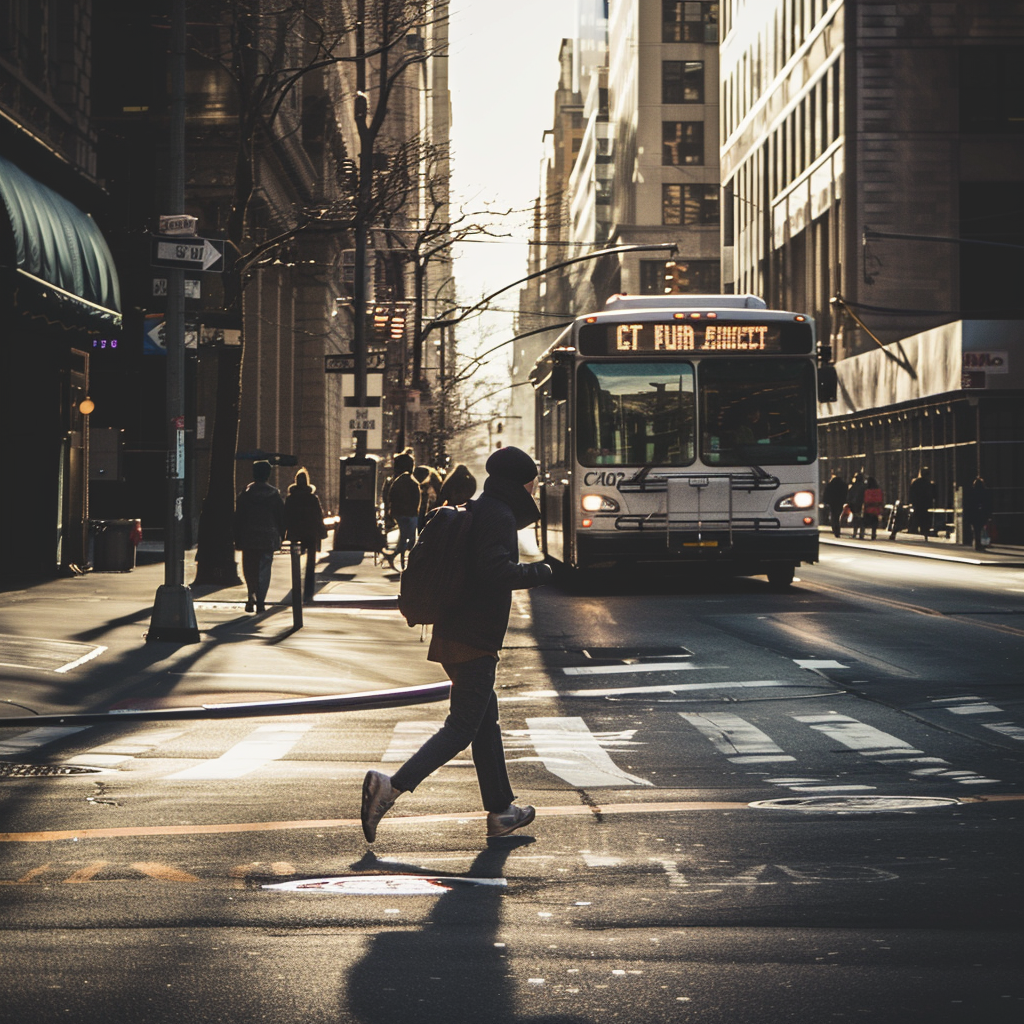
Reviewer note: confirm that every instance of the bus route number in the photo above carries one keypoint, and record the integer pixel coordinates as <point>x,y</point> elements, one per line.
<point>606,478</point>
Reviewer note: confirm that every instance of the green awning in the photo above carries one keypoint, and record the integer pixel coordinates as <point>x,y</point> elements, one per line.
<point>63,270</point>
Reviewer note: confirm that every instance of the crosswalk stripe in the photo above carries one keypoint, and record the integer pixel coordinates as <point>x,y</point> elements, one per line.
<point>570,751</point>
<point>865,739</point>
<point>1015,732</point>
<point>408,737</point>
<point>267,743</point>
<point>117,752</point>
<point>610,670</point>
<point>735,737</point>
<point>37,738</point>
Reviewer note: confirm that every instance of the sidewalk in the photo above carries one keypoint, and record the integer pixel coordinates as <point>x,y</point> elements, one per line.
<point>937,548</point>
<point>79,644</point>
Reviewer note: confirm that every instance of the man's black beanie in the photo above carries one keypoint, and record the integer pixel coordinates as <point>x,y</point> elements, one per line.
<point>512,464</point>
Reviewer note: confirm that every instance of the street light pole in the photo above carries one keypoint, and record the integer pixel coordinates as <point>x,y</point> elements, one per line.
<point>174,617</point>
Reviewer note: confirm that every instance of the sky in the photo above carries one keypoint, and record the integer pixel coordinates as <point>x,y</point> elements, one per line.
<point>503,72</point>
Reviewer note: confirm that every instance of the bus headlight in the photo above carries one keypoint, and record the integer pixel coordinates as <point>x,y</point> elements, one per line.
<point>598,503</point>
<point>792,502</point>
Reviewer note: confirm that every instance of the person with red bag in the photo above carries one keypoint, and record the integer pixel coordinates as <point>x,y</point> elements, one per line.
<point>874,506</point>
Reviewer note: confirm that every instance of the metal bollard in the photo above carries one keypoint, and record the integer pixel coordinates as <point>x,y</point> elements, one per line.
<point>296,552</point>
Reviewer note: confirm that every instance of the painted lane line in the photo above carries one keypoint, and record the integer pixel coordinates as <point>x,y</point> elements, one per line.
<point>813,663</point>
<point>94,653</point>
<point>37,738</point>
<point>408,737</point>
<point>968,705</point>
<point>570,751</point>
<point>569,811</point>
<point>265,744</point>
<point>611,670</point>
<point>735,737</point>
<point>665,688</point>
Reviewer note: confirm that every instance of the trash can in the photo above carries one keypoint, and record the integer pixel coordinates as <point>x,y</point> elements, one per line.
<point>113,544</point>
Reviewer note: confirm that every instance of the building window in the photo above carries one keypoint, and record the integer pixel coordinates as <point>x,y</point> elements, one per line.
<point>682,143</point>
<point>678,277</point>
<point>682,81</point>
<point>689,204</point>
<point>684,22</point>
<point>992,90</point>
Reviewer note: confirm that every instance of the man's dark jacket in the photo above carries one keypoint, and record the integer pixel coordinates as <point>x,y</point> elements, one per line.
<point>479,618</point>
<point>259,518</point>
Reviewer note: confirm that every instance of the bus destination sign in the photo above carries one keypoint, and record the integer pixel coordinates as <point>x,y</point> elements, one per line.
<point>649,338</point>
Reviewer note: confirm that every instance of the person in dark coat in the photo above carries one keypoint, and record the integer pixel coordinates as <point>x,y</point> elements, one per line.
<point>430,491</point>
<point>402,504</point>
<point>259,527</point>
<point>922,501</point>
<point>458,487</point>
<point>835,500</point>
<point>977,509</point>
<point>304,519</point>
<point>855,502</point>
<point>466,641</point>
<point>874,506</point>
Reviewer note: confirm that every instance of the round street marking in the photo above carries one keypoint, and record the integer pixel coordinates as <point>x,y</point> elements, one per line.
<point>383,885</point>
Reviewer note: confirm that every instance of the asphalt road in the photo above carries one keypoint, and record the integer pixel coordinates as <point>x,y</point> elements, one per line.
<point>752,807</point>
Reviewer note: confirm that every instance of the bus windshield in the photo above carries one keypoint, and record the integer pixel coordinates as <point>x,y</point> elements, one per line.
<point>757,412</point>
<point>631,414</point>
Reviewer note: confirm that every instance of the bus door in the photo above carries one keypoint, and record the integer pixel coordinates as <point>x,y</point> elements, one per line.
<point>699,511</point>
<point>553,444</point>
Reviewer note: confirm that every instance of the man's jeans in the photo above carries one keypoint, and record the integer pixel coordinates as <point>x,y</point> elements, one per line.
<point>472,721</point>
<point>406,534</point>
<point>256,566</point>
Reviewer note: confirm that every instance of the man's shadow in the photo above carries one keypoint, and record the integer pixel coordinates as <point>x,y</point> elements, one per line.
<point>449,971</point>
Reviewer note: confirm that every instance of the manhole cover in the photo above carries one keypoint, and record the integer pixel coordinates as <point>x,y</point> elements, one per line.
<point>854,803</point>
<point>36,771</point>
<point>384,885</point>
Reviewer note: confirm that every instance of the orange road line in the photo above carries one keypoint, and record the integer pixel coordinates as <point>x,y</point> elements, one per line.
<point>28,876</point>
<point>573,810</point>
<point>164,872</point>
<point>87,873</point>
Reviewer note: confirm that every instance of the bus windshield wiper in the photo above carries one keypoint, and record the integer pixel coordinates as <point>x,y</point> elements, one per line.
<point>641,474</point>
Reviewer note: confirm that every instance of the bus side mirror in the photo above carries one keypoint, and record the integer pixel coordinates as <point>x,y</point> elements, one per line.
<point>559,385</point>
<point>828,383</point>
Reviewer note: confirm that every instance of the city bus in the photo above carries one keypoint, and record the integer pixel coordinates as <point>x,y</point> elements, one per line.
<point>680,431</point>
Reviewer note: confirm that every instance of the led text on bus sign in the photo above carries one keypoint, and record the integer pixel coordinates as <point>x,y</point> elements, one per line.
<point>645,337</point>
<point>685,338</point>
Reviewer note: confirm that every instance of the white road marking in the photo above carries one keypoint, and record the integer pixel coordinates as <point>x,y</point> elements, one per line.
<point>818,663</point>
<point>735,737</point>
<point>408,737</point>
<point>37,738</point>
<point>611,670</point>
<point>265,744</point>
<point>666,688</point>
<point>570,751</point>
<point>94,653</point>
<point>871,742</point>
<point>1015,732</point>
<point>856,735</point>
<point>109,755</point>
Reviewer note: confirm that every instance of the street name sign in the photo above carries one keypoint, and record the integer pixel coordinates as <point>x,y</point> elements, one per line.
<point>345,362</point>
<point>206,254</point>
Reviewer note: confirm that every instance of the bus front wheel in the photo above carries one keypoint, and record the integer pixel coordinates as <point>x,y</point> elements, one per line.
<point>780,576</point>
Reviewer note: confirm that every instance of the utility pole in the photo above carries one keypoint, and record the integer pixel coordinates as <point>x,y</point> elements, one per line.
<point>365,193</point>
<point>174,617</point>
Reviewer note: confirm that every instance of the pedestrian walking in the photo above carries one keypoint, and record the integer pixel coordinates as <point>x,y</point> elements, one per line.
<point>430,491</point>
<point>874,506</point>
<point>402,504</point>
<point>978,510</point>
<point>258,527</point>
<point>466,640</point>
<point>304,519</point>
<point>922,501</point>
<point>835,500</point>
<point>458,486</point>
<point>855,502</point>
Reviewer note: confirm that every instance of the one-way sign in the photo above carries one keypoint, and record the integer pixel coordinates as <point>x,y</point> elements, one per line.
<point>188,253</point>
